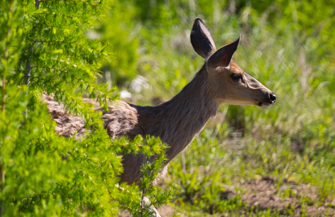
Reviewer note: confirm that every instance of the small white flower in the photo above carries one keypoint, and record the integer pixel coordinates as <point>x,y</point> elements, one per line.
<point>125,94</point>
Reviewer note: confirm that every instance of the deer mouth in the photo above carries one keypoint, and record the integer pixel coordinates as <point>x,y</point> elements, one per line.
<point>264,104</point>
<point>271,99</point>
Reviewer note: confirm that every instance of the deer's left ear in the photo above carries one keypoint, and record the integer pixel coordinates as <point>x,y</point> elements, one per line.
<point>202,40</point>
<point>222,57</point>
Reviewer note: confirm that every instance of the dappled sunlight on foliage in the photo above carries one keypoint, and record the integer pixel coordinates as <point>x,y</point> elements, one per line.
<point>92,48</point>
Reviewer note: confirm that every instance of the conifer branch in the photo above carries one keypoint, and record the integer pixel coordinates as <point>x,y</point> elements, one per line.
<point>65,71</point>
<point>2,172</point>
<point>18,186</point>
<point>70,1</point>
<point>58,42</point>
<point>30,51</point>
<point>50,41</point>
<point>80,66</point>
<point>62,90</point>
<point>64,15</point>
<point>6,57</point>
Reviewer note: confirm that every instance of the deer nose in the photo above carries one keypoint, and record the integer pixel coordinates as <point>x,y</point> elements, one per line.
<point>273,98</point>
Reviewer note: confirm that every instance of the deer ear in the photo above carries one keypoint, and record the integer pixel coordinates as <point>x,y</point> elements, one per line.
<point>201,39</point>
<point>222,57</point>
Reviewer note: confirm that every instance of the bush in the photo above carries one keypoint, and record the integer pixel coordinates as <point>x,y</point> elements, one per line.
<point>50,48</point>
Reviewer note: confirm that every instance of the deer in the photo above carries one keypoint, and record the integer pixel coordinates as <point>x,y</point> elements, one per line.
<point>177,121</point>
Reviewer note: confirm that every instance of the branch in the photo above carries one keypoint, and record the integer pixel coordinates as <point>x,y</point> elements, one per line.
<point>46,67</point>
<point>66,42</point>
<point>2,172</point>
<point>59,42</point>
<point>41,41</point>
<point>70,1</point>
<point>6,57</point>
<point>17,187</point>
<point>61,89</point>
<point>30,51</point>
<point>65,71</point>
<point>64,15</point>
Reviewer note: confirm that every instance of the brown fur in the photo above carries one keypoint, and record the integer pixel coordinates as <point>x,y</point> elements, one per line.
<point>67,124</point>
<point>177,121</point>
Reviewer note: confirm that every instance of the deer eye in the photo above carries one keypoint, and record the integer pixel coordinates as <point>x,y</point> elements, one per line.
<point>236,76</point>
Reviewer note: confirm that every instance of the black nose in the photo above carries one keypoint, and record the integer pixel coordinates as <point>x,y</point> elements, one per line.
<point>273,97</point>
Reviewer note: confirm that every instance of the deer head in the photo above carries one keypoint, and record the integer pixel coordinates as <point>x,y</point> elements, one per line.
<point>230,84</point>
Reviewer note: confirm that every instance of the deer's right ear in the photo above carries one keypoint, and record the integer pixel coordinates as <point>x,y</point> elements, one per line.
<point>223,56</point>
<point>202,40</point>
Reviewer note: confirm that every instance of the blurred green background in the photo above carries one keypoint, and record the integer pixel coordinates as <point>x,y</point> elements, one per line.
<point>289,47</point>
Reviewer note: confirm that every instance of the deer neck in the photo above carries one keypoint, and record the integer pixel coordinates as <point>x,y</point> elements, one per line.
<point>177,121</point>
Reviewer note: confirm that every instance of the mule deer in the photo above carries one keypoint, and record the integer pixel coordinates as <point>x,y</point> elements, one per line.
<point>176,122</point>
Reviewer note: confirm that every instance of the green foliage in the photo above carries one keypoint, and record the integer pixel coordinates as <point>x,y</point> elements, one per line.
<point>118,28</point>
<point>50,48</point>
<point>153,150</point>
<point>287,45</point>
